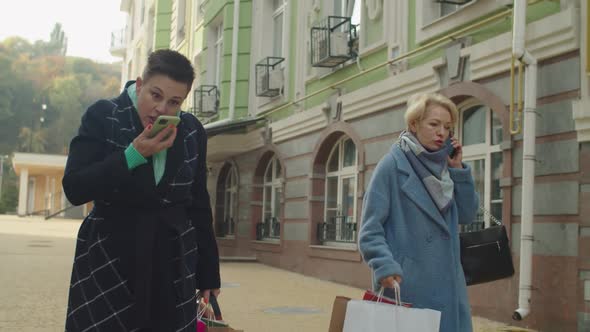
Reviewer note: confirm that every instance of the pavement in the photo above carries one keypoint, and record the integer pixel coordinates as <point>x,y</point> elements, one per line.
<point>36,257</point>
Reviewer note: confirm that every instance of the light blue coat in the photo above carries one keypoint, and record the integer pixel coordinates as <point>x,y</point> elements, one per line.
<point>404,233</point>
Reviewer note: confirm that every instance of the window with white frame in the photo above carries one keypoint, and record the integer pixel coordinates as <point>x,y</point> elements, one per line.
<point>437,17</point>
<point>230,201</point>
<point>278,25</point>
<point>150,31</point>
<point>348,8</point>
<point>180,20</point>
<point>271,200</point>
<point>480,132</point>
<point>132,24</point>
<point>142,13</point>
<point>448,7</point>
<point>196,83</point>
<point>198,12</point>
<point>218,55</point>
<point>340,193</point>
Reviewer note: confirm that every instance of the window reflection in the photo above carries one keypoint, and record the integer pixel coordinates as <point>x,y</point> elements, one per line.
<point>474,125</point>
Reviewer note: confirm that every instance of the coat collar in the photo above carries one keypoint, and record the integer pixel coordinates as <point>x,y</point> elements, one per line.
<point>414,188</point>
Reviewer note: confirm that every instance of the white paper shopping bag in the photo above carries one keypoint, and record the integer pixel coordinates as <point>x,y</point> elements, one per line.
<point>369,316</point>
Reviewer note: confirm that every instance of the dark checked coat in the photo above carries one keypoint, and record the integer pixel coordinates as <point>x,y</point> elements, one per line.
<point>144,248</point>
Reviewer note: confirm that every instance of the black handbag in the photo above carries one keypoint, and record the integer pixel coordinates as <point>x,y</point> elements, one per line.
<point>485,254</point>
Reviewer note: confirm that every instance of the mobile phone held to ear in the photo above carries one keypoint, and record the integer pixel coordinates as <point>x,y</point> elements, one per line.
<point>449,146</point>
<point>162,122</point>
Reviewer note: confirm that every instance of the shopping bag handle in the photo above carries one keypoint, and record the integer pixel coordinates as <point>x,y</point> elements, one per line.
<point>396,291</point>
<point>201,311</point>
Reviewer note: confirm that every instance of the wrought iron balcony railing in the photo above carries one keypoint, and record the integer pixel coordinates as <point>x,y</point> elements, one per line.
<point>225,228</point>
<point>269,229</point>
<point>337,229</point>
<point>331,41</point>
<point>269,77</point>
<point>206,100</point>
<point>118,43</point>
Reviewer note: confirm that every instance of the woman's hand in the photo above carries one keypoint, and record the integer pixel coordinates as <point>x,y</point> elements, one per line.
<point>388,282</point>
<point>147,146</point>
<point>457,160</point>
<point>207,293</point>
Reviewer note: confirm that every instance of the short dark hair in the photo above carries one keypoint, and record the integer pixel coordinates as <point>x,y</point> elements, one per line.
<point>169,63</point>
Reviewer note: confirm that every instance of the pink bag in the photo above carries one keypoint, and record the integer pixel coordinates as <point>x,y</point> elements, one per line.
<point>201,326</point>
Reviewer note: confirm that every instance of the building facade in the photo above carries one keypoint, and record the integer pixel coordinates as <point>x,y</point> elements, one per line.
<point>40,191</point>
<point>303,98</point>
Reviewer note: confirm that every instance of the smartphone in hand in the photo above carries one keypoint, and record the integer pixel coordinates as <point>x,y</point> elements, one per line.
<point>162,122</point>
<point>449,146</point>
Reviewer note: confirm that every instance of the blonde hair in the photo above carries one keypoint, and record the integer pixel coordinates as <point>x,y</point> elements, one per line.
<point>420,103</point>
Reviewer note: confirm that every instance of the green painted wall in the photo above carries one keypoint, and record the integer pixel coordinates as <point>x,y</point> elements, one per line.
<point>374,33</point>
<point>535,12</point>
<point>162,27</point>
<point>349,70</point>
<point>225,9</point>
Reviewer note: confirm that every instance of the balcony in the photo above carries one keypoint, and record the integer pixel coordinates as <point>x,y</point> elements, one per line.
<point>331,41</point>
<point>269,77</point>
<point>269,229</point>
<point>337,229</point>
<point>118,43</point>
<point>205,101</point>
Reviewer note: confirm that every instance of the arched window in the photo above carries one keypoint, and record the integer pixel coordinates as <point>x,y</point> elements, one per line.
<point>230,200</point>
<point>340,194</point>
<point>271,201</point>
<point>227,201</point>
<point>480,131</point>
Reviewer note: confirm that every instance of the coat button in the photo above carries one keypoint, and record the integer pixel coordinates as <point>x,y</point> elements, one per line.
<point>429,238</point>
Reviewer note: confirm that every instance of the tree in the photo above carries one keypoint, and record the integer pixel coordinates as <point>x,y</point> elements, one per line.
<point>32,75</point>
<point>9,197</point>
<point>31,140</point>
<point>58,42</point>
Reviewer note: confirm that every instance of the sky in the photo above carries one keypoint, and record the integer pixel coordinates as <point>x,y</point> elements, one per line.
<point>87,23</point>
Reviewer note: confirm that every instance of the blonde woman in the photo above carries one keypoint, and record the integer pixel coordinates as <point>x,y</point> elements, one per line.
<point>417,196</point>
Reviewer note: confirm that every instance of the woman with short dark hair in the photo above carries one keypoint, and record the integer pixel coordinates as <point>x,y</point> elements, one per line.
<point>148,243</point>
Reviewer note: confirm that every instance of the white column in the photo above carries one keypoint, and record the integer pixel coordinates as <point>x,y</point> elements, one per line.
<point>22,192</point>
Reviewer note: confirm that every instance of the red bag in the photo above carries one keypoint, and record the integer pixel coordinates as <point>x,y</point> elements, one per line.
<point>371,296</point>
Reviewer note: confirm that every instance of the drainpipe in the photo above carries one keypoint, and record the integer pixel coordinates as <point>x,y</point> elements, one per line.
<point>234,61</point>
<point>528,162</point>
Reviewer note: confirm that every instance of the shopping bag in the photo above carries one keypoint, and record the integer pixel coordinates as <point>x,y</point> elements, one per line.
<point>209,315</point>
<point>369,316</point>
<point>338,313</point>
<point>201,326</point>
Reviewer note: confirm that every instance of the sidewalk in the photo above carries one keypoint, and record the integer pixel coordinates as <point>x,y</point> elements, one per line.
<point>256,297</point>
<point>38,226</point>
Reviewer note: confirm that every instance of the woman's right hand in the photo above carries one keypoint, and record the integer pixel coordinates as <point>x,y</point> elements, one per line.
<point>388,282</point>
<point>148,146</point>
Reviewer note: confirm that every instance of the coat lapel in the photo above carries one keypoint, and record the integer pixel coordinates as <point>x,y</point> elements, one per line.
<point>414,188</point>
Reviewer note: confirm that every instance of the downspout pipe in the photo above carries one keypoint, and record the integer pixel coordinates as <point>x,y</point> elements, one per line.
<point>234,61</point>
<point>528,162</point>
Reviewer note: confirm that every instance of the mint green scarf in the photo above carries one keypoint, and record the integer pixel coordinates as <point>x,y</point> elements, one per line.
<point>159,158</point>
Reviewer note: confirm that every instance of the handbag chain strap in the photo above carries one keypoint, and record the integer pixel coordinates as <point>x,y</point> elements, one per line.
<point>492,218</point>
